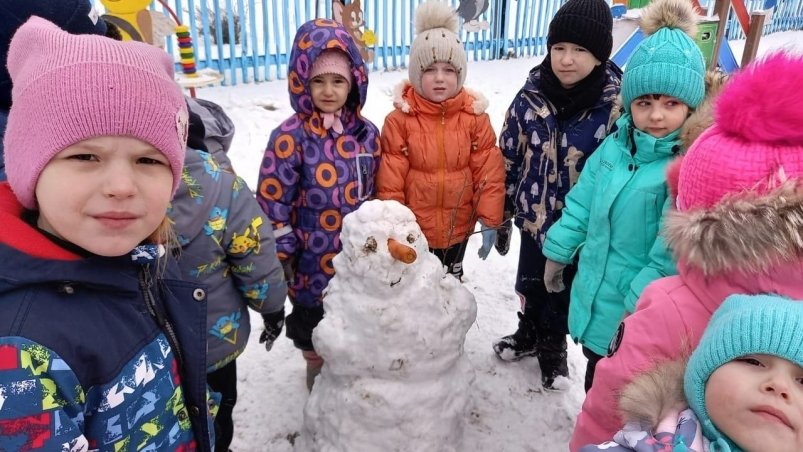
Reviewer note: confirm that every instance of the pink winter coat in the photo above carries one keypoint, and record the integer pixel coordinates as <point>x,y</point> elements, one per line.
<point>749,245</point>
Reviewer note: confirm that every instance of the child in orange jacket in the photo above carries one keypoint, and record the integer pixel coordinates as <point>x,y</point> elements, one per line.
<point>439,153</point>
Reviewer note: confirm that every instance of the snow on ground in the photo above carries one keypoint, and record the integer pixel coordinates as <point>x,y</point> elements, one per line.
<point>510,411</point>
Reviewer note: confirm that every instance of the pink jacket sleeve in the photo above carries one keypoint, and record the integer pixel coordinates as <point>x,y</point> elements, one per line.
<point>654,333</point>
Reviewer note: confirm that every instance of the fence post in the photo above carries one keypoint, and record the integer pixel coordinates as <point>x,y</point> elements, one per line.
<point>753,36</point>
<point>721,9</point>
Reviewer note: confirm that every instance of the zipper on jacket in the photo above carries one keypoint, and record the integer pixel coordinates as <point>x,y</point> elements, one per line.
<point>145,284</point>
<point>441,174</point>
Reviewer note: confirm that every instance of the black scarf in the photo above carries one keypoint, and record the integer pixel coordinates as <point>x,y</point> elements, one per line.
<point>581,96</point>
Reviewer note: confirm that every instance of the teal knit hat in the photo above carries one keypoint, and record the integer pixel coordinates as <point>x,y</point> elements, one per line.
<point>743,325</point>
<point>668,61</point>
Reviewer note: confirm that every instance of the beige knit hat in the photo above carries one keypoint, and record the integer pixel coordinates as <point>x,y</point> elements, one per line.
<point>436,25</point>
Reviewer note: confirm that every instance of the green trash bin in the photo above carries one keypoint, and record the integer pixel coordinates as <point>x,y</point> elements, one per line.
<point>707,39</point>
<point>632,4</point>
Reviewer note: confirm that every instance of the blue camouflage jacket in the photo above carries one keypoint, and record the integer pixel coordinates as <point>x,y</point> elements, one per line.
<point>544,156</point>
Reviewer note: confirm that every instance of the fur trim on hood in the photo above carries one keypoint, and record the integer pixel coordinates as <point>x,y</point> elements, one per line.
<point>652,395</point>
<point>746,232</point>
<point>479,105</point>
<point>703,117</point>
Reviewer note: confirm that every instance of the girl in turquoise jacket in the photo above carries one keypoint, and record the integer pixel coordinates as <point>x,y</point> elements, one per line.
<point>613,214</point>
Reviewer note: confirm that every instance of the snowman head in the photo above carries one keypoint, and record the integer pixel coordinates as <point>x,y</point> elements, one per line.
<point>383,246</point>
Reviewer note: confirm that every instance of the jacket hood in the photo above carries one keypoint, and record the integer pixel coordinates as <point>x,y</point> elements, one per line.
<point>745,233</point>
<point>311,40</point>
<point>20,235</point>
<point>653,395</point>
<point>703,117</point>
<point>406,99</point>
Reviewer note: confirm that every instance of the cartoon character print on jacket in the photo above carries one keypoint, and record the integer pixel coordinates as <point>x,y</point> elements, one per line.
<point>310,177</point>
<point>544,156</point>
<point>228,249</point>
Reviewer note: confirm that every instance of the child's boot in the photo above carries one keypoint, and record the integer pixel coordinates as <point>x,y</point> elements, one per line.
<point>552,360</point>
<point>518,345</point>
<point>314,364</point>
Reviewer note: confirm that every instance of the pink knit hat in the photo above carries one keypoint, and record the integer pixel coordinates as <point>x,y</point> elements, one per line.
<point>756,141</point>
<point>332,61</point>
<point>69,88</point>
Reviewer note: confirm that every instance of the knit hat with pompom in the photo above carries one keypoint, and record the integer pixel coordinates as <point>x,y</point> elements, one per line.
<point>740,185</point>
<point>756,141</point>
<point>668,61</point>
<point>436,25</point>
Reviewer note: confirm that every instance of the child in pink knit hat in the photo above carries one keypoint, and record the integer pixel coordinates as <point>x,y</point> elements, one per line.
<point>737,228</point>
<point>99,342</point>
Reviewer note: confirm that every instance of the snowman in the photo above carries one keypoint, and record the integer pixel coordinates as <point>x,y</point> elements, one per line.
<point>395,377</point>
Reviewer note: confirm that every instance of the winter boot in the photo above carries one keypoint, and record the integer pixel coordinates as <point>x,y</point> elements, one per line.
<point>552,360</point>
<point>314,364</point>
<point>518,345</point>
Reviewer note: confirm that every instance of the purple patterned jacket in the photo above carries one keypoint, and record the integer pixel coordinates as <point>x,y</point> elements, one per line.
<point>312,177</point>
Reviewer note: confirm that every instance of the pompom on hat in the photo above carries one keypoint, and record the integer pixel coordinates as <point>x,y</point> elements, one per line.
<point>587,23</point>
<point>668,61</point>
<point>332,61</point>
<point>76,87</point>
<point>756,142</point>
<point>743,325</point>
<point>436,25</point>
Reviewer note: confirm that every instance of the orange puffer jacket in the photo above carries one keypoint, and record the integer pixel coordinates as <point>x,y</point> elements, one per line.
<point>441,161</point>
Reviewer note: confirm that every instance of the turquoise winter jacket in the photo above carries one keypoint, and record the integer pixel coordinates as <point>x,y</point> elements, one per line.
<point>611,218</point>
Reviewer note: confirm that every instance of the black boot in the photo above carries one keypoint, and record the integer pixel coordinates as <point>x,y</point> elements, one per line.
<point>552,360</point>
<point>518,345</point>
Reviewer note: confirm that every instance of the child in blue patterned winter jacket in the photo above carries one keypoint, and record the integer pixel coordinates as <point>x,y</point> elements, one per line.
<point>102,346</point>
<point>227,244</point>
<point>319,165</point>
<point>552,127</point>
<point>612,216</point>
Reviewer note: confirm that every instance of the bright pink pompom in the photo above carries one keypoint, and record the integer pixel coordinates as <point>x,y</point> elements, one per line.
<point>764,102</point>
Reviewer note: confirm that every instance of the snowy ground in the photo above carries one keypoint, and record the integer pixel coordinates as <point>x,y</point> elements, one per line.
<point>510,410</point>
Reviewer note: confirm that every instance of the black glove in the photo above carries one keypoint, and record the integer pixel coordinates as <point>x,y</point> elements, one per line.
<point>503,233</point>
<point>274,322</point>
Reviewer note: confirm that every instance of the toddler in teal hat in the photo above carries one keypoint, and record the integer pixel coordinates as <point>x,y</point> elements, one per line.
<point>742,389</point>
<point>613,214</point>
<point>745,378</point>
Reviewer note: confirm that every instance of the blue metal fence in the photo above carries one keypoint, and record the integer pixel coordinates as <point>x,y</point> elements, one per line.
<point>250,40</point>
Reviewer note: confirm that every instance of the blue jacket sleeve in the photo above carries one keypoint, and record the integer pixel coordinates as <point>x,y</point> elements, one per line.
<point>570,231</point>
<point>278,198</point>
<point>41,400</point>
<point>510,143</point>
<point>661,265</point>
<point>251,253</point>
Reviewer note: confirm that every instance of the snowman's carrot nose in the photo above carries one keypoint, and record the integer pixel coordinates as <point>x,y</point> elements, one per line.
<point>401,252</point>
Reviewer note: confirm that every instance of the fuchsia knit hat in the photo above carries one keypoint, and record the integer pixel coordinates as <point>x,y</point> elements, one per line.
<point>68,88</point>
<point>332,61</point>
<point>756,142</point>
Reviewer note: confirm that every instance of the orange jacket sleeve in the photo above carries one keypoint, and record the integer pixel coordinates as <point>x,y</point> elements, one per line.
<point>394,165</point>
<point>488,173</point>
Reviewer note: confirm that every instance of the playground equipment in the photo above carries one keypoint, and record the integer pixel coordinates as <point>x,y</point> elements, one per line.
<point>710,30</point>
<point>137,23</point>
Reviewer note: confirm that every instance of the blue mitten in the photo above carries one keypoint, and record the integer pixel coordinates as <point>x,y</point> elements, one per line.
<point>488,240</point>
